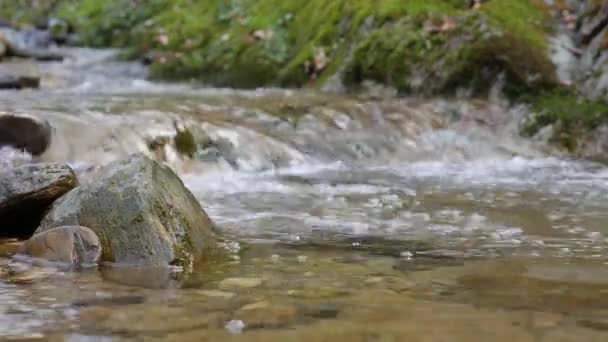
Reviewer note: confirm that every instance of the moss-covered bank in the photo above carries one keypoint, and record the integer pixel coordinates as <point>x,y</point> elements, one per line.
<point>416,46</point>
<point>572,116</point>
<point>420,46</point>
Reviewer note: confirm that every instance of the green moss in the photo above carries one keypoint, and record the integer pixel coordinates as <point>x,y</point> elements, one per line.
<point>109,22</point>
<point>185,143</point>
<point>571,114</point>
<point>388,40</point>
<point>27,12</point>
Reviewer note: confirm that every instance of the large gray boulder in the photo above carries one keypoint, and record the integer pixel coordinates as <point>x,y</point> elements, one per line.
<point>142,213</point>
<point>26,192</point>
<point>24,132</point>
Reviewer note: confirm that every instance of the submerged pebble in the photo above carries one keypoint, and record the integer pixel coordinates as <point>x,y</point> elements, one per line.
<point>242,283</point>
<point>217,294</point>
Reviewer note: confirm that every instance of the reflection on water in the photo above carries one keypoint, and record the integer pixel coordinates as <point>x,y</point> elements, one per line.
<point>357,219</point>
<point>333,294</point>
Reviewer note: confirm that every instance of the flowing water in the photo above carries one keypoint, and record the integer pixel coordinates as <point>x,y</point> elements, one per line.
<point>348,218</point>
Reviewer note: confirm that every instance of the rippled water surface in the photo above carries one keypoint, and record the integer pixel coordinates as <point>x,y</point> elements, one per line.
<point>348,218</point>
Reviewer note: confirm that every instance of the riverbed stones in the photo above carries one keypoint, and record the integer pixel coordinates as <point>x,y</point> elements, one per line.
<point>217,294</point>
<point>258,316</point>
<point>240,283</point>
<point>3,46</point>
<point>27,191</point>
<point>19,82</point>
<point>74,245</point>
<point>24,132</point>
<point>142,213</point>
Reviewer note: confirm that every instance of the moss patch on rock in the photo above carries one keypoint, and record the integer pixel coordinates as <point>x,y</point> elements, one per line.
<point>571,115</point>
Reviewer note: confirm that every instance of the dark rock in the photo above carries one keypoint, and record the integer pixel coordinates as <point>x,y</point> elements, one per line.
<point>3,48</point>
<point>5,23</point>
<point>59,30</point>
<point>27,191</point>
<point>323,311</point>
<point>28,44</point>
<point>39,55</point>
<point>19,82</point>
<point>26,39</point>
<point>110,301</point>
<point>24,132</point>
<point>142,213</point>
<point>593,26</point>
<point>78,246</point>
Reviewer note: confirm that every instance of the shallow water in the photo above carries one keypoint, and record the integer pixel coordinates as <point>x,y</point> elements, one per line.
<point>348,218</point>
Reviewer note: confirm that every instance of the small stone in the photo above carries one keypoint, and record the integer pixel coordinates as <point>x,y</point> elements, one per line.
<point>243,283</point>
<point>217,294</point>
<point>317,293</point>
<point>302,259</point>
<point>323,311</point>
<point>235,327</point>
<point>275,258</point>
<point>25,132</point>
<point>265,316</point>
<point>254,306</point>
<point>73,245</point>
<point>374,280</point>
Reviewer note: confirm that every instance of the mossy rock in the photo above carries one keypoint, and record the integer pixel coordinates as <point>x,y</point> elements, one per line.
<point>573,116</point>
<point>142,213</point>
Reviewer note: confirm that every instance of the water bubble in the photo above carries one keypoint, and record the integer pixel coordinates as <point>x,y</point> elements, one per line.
<point>235,327</point>
<point>406,254</point>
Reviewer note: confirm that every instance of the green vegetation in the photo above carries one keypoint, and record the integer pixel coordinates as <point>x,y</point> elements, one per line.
<point>417,46</point>
<point>571,115</point>
<point>422,47</point>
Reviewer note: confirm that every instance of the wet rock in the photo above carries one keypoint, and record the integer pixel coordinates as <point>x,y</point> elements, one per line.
<point>318,293</point>
<point>323,311</point>
<point>142,213</point>
<point>217,294</point>
<point>59,30</point>
<point>148,276</point>
<point>3,47</point>
<point>255,306</point>
<point>267,316</point>
<point>18,82</point>
<point>110,301</point>
<point>9,247</point>
<point>24,132</point>
<point>146,320</point>
<point>25,39</point>
<point>240,283</point>
<point>28,44</point>
<point>26,192</point>
<point>72,245</point>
